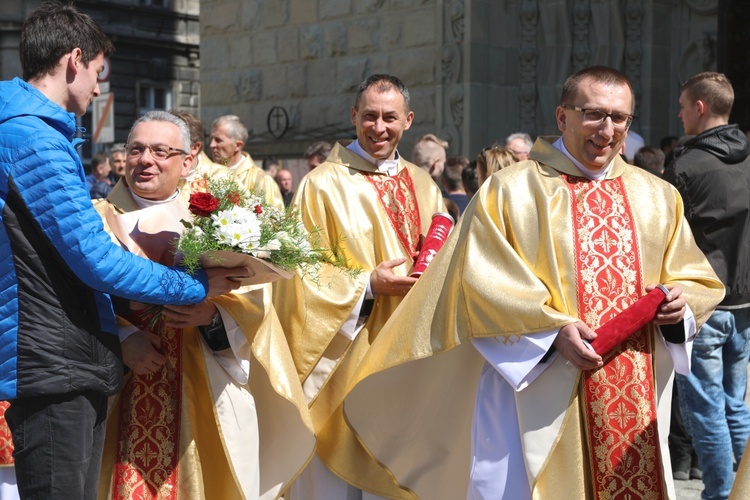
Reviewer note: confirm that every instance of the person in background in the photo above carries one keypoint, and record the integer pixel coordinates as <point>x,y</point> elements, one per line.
<point>228,136</point>
<point>711,170</point>
<point>650,159</point>
<point>117,161</point>
<point>271,166</point>
<point>470,179</point>
<point>493,159</point>
<point>285,182</point>
<point>452,182</point>
<point>428,154</point>
<point>317,153</point>
<point>99,181</point>
<point>519,144</point>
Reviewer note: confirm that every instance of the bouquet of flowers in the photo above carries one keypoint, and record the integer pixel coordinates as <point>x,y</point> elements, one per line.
<point>233,227</point>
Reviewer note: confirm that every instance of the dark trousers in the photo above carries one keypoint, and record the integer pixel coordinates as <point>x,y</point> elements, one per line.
<point>58,443</point>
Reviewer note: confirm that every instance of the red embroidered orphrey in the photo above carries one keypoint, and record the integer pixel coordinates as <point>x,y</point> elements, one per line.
<point>399,201</point>
<point>619,399</point>
<point>148,444</point>
<point>6,439</point>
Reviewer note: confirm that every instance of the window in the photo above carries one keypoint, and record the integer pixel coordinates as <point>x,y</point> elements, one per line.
<point>153,96</point>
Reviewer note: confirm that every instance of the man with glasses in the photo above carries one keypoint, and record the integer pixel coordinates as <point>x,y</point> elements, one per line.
<point>59,351</point>
<point>188,423</point>
<point>504,373</point>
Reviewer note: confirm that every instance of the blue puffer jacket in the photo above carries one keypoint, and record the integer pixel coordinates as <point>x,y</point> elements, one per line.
<point>57,265</point>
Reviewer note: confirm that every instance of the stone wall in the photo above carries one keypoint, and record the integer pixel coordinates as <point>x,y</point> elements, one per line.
<point>478,70</point>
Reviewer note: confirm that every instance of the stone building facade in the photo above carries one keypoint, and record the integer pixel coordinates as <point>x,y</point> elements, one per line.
<point>477,69</point>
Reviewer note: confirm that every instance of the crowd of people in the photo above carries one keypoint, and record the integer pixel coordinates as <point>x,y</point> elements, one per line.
<point>534,358</point>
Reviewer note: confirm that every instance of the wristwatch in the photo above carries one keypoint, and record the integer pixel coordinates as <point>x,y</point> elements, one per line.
<point>215,334</point>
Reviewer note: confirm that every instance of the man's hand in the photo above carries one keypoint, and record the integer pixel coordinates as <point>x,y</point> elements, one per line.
<point>186,316</point>
<point>140,353</point>
<point>672,310</point>
<point>384,282</point>
<point>568,342</point>
<point>218,282</point>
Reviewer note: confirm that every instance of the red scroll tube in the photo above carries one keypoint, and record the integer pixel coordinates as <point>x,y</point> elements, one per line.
<point>440,228</point>
<point>629,321</point>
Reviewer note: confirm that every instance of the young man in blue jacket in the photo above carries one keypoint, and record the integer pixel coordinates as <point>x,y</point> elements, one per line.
<point>59,350</point>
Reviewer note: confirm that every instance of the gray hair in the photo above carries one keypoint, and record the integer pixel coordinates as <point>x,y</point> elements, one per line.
<point>235,127</point>
<point>520,135</point>
<point>165,116</point>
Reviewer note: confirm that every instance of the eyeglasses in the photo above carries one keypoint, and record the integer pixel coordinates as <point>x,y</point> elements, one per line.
<point>158,151</point>
<point>620,121</point>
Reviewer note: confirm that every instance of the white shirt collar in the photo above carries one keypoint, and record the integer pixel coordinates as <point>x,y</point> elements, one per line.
<point>234,167</point>
<point>144,203</point>
<point>389,167</point>
<point>591,174</point>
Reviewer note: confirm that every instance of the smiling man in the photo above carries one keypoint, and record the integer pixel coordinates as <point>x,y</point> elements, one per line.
<point>373,205</point>
<point>492,349</point>
<point>204,427</point>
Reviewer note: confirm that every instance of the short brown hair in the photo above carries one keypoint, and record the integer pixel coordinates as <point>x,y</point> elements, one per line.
<point>320,148</point>
<point>194,124</point>
<point>452,173</point>
<point>714,89</point>
<point>602,74</point>
<point>53,30</point>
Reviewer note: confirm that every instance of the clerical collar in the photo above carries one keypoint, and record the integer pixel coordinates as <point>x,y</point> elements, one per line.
<point>388,167</point>
<point>591,174</point>
<point>145,203</point>
<point>234,167</point>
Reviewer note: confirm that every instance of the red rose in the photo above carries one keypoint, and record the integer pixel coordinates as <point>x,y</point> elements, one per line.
<point>203,204</point>
<point>234,198</point>
<point>258,209</point>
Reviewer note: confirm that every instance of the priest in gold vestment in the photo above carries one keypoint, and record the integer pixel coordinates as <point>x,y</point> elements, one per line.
<point>374,206</point>
<point>212,406</point>
<point>496,392</point>
<point>228,135</point>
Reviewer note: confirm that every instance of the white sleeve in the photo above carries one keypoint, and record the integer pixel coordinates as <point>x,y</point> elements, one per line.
<point>350,329</point>
<point>518,358</point>
<point>681,352</point>
<point>235,361</point>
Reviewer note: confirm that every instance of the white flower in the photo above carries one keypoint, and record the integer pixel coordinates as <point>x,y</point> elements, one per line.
<point>237,227</point>
<point>274,244</point>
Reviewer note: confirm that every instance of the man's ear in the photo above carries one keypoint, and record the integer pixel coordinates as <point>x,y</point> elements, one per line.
<point>701,106</point>
<point>561,118</point>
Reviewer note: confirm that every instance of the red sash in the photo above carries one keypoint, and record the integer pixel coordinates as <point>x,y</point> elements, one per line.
<point>399,201</point>
<point>619,399</point>
<point>6,439</point>
<point>148,448</point>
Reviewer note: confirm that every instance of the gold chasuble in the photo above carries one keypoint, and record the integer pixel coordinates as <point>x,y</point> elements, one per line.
<point>371,218</point>
<point>538,247</point>
<point>251,177</point>
<point>192,430</point>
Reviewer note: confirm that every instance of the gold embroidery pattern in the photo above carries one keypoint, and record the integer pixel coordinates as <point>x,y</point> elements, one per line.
<point>149,435</point>
<point>6,438</point>
<point>619,399</point>
<point>399,201</point>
